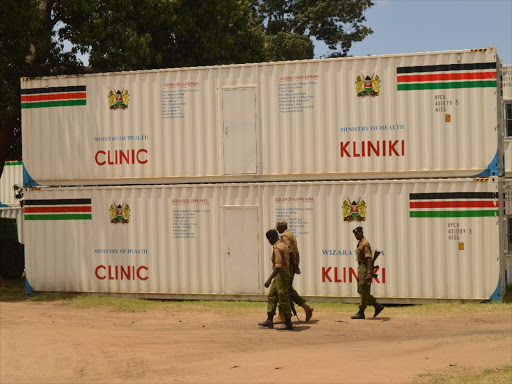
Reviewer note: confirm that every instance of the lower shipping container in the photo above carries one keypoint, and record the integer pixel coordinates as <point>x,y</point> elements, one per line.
<point>439,239</point>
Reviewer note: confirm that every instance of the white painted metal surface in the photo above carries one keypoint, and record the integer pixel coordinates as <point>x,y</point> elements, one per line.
<point>12,176</point>
<point>241,250</point>
<point>507,116</point>
<point>239,119</point>
<point>439,238</point>
<point>406,116</point>
<point>506,73</point>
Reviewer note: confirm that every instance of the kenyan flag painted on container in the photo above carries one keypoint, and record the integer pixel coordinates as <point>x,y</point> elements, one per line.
<point>61,209</point>
<point>476,75</point>
<point>53,97</point>
<point>453,204</point>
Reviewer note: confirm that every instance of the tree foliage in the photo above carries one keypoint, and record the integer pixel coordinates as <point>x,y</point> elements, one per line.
<point>290,26</point>
<point>145,34</point>
<point>28,48</point>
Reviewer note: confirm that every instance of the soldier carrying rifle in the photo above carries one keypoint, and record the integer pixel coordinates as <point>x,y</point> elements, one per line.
<point>365,275</point>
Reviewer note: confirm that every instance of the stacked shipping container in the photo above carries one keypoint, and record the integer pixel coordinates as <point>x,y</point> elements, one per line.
<point>506,86</point>
<point>11,193</point>
<point>276,140</point>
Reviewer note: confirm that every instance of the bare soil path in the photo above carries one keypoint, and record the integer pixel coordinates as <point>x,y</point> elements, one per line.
<point>50,342</point>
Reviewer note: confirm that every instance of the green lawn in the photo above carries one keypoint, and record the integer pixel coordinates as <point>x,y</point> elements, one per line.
<point>15,292</point>
<point>465,375</point>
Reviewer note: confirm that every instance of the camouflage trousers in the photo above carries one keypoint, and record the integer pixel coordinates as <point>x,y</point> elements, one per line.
<point>363,288</point>
<point>278,295</point>
<point>297,299</point>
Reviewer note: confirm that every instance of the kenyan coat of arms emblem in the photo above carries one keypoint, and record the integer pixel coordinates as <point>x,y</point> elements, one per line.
<point>118,99</point>
<point>368,86</point>
<point>353,211</point>
<point>119,214</point>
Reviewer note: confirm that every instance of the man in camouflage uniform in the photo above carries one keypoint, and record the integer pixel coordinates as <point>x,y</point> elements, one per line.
<point>289,239</point>
<point>279,283</point>
<point>365,272</point>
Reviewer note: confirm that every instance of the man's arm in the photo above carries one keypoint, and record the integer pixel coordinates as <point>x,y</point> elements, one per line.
<point>369,264</point>
<point>274,273</point>
<point>278,262</point>
<point>369,268</point>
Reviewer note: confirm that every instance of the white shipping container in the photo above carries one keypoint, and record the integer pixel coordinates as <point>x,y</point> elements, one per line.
<point>11,184</point>
<point>506,83</point>
<point>439,238</point>
<point>397,116</point>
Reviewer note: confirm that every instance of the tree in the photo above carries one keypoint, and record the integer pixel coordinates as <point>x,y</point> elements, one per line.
<point>118,35</point>
<point>146,34</point>
<point>28,48</point>
<point>290,25</point>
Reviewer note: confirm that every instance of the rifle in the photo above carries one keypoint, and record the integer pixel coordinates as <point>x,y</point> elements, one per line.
<point>375,256</point>
<point>292,305</point>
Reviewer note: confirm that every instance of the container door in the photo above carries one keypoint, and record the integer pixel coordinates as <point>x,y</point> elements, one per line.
<point>239,116</point>
<point>241,253</point>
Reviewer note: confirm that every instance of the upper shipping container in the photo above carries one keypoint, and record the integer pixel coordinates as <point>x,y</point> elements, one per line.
<point>506,86</point>
<point>506,82</point>
<point>397,116</point>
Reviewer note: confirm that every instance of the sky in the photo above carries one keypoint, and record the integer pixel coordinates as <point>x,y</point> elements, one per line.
<point>410,26</point>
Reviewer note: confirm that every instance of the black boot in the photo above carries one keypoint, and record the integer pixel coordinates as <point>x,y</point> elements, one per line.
<point>287,326</point>
<point>269,323</point>
<point>378,308</point>
<point>358,315</point>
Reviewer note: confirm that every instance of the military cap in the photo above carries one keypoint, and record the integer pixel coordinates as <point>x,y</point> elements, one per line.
<point>357,229</point>
<point>281,222</point>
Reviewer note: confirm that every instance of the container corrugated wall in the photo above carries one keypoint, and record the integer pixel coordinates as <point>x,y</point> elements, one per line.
<point>399,116</point>
<point>439,238</point>
<point>506,72</point>
<point>10,198</point>
<point>12,176</point>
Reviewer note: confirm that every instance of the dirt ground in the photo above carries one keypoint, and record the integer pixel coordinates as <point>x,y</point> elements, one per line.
<point>54,343</point>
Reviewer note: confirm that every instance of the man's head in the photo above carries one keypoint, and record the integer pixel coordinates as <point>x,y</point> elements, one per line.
<point>358,233</point>
<point>281,226</point>
<point>272,236</point>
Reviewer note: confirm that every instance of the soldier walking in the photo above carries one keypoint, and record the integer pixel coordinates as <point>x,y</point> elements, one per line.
<point>279,283</point>
<point>289,239</point>
<point>365,272</point>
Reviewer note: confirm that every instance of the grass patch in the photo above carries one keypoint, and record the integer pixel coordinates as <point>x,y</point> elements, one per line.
<point>15,291</point>
<point>118,304</point>
<point>507,297</point>
<point>126,304</point>
<point>462,375</point>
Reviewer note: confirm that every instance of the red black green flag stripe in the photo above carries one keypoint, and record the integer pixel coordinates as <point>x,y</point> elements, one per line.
<point>449,76</point>
<point>61,209</point>
<point>453,204</point>
<point>53,97</point>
